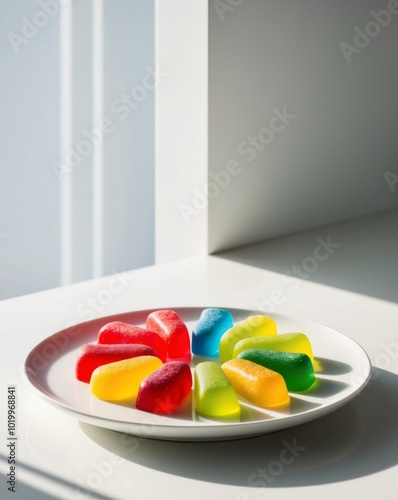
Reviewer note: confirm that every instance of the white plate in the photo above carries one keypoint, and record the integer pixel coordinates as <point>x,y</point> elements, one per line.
<point>344,369</point>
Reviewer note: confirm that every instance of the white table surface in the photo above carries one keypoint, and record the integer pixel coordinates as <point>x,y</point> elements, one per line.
<point>351,453</point>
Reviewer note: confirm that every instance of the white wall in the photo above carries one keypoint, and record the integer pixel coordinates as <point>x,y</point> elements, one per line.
<point>51,231</point>
<point>128,226</point>
<point>325,161</point>
<point>181,128</point>
<point>29,142</point>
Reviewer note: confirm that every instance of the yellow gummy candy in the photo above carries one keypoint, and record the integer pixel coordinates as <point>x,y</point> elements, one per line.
<point>286,342</point>
<point>214,394</point>
<point>258,384</point>
<point>120,381</point>
<point>250,327</point>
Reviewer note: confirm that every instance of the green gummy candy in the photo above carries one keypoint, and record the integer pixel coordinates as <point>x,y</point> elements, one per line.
<point>295,368</point>
<point>214,393</point>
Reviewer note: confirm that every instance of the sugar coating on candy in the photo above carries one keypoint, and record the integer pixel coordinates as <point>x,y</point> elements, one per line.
<point>212,324</point>
<point>287,342</point>
<point>258,364</point>
<point>170,327</point>
<point>295,368</point>
<point>118,332</point>
<point>165,390</point>
<point>259,385</point>
<point>120,381</point>
<point>214,394</point>
<point>252,326</point>
<point>91,356</point>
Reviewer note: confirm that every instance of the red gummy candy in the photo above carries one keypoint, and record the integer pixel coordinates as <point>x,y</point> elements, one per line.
<point>168,325</point>
<point>91,356</point>
<point>118,332</point>
<point>165,389</point>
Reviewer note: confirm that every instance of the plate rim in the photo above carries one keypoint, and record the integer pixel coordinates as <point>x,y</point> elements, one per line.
<point>239,429</point>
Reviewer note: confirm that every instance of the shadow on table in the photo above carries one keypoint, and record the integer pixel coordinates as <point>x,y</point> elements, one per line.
<point>355,246</point>
<point>357,440</point>
<point>26,491</point>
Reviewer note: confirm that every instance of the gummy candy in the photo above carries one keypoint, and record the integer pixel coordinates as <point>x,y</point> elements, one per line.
<point>91,356</point>
<point>214,394</point>
<point>118,332</point>
<point>165,390</point>
<point>212,324</point>
<point>252,326</point>
<point>120,381</point>
<point>286,342</point>
<point>170,327</point>
<point>295,368</point>
<point>261,386</point>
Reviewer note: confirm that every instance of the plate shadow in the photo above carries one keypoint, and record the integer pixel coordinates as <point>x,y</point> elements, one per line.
<point>359,439</point>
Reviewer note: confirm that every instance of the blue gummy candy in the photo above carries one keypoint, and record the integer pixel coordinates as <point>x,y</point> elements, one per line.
<point>208,331</point>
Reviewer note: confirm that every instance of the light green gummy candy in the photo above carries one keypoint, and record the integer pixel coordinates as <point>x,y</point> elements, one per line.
<point>287,342</point>
<point>214,393</point>
<point>250,327</point>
